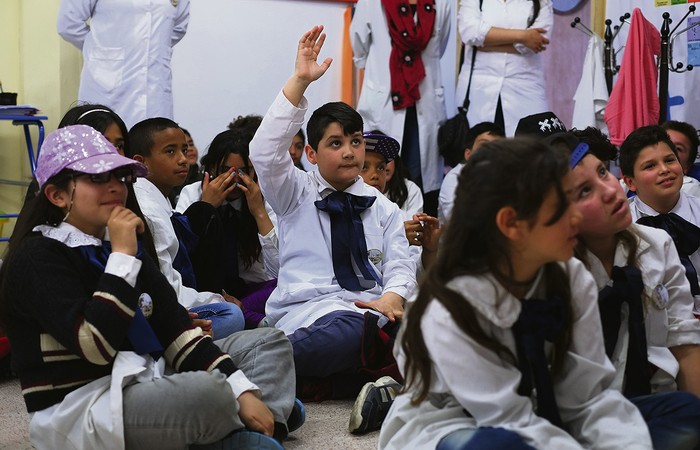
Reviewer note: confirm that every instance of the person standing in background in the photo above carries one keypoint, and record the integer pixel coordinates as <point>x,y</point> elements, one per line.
<point>508,77</point>
<point>399,43</point>
<point>127,47</point>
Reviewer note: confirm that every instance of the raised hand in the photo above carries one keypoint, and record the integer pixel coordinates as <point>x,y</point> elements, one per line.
<point>306,68</point>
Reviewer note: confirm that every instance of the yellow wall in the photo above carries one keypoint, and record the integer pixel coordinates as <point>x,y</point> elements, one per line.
<point>44,70</point>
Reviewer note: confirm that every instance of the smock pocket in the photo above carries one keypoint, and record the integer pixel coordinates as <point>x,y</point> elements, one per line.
<point>106,66</point>
<point>374,238</point>
<point>372,103</point>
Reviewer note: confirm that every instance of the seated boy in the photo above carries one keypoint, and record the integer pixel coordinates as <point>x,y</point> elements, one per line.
<point>342,247</point>
<point>478,134</point>
<point>650,167</point>
<point>160,144</point>
<point>685,138</point>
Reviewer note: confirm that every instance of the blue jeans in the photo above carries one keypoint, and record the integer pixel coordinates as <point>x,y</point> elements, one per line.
<point>483,439</point>
<point>673,419</point>
<point>226,318</point>
<point>330,345</point>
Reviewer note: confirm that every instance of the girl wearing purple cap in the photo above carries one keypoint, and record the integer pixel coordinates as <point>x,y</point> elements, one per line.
<point>94,325</point>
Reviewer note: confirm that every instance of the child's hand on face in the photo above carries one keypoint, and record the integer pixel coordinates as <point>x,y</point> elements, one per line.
<point>215,191</point>
<point>252,193</point>
<point>123,225</point>
<point>389,304</point>
<point>255,414</point>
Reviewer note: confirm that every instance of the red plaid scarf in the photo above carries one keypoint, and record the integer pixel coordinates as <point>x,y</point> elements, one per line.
<point>408,39</point>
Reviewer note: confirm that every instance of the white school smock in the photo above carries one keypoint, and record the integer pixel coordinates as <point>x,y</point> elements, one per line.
<point>467,376</point>
<point>127,48</point>
<point>591,95</point>
<point>446,198</point>
<point>266,266</point>
<point>688,207</point>
<point>157,211</point>
<point>517,78</point>
<point>306,287</point>
<point>668,305</point>
<point>371,46</point>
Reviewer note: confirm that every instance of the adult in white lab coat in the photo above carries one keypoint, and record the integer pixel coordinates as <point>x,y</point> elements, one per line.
<point>127,46</point>
<point>508,65</point>
<point>371,46</point>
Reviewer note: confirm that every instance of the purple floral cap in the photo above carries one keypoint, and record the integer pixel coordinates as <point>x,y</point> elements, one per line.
<point>385,145</point>
<point>83,149</point>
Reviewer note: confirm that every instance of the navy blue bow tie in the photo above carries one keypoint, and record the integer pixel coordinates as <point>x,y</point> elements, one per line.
<point>686,237</point>
<point>627,287</point>
<point>142,337</point>
<point>539,321</point>
<point>348,239</point>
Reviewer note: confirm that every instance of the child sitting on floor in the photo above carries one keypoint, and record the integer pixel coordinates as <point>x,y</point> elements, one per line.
<point>345,270</point>
<point>650,168</point>
<point>106,356</point>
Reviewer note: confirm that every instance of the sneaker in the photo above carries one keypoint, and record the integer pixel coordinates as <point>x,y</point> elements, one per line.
<point>372,405</point>
<point>245,440</point>
<point>297,417</point>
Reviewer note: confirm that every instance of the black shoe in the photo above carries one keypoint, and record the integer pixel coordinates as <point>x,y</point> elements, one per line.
<point>297,417</point>
<point>372,405</point>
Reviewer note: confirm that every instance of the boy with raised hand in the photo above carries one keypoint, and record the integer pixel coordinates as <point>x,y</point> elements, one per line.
<point>343,250</point>
<point>651,168</point>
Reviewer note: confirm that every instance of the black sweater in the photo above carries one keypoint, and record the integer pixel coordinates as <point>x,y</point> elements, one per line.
<point>69,323</point>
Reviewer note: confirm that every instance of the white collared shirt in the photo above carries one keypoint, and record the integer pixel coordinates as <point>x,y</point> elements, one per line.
<point>688,208</point>
<point>668,305</point>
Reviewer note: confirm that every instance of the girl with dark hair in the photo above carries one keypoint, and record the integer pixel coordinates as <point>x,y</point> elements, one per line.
<point>106,356</point>
<point>473,348</point>
<point>241,256</point>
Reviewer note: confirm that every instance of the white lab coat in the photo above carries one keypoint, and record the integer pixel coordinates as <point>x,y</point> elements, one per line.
<point>465,376</point>
<point>688,207</point>
<point>371,47</point>
<point>668,305</point>
<point>591,96</point>
<point>127,47</point>
<point>517,78</point>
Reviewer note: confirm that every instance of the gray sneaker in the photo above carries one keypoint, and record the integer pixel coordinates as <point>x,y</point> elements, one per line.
<point>372,405</point>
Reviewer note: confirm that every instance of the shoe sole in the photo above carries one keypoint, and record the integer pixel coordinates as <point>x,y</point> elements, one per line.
<point>356,414</point>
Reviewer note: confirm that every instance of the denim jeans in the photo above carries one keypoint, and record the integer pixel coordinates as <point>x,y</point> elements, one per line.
<point>483,439</point>
<point>673,419</point>
<point>226,318</point>
<point>188,408</point>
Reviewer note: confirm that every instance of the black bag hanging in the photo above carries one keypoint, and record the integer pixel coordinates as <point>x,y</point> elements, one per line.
<point>452,134</point>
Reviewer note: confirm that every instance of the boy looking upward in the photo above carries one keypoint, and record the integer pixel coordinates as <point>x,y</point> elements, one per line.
<point>342,246</point>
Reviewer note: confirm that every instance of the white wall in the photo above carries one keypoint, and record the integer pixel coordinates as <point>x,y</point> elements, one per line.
<point>237,55</point>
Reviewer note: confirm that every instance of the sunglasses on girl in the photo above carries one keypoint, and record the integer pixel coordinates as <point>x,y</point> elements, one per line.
<point>123,175</point>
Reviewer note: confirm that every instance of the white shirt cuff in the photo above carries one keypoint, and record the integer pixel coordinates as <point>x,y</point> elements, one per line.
<point>240,384</point>
<point>123,266</point>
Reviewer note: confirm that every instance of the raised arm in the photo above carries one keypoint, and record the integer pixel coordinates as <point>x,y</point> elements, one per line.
<point>306,68</point>
<point>182,19</point>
